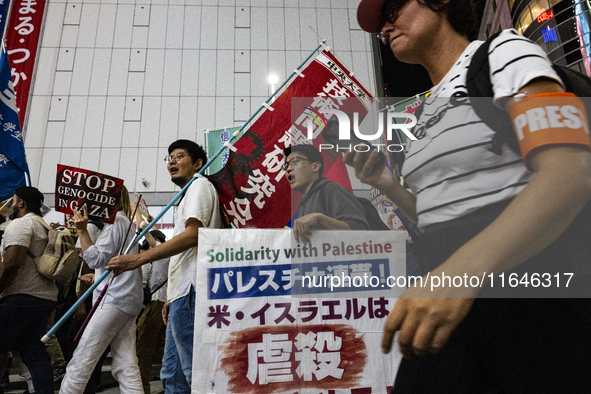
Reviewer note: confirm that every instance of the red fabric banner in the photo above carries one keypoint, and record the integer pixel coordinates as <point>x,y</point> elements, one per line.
<point>252,185</point>
<point>22,40</point>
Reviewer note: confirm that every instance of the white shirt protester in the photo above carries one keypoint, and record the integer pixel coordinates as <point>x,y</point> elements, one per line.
<point>463,145</point>
<point>30,233</point>
<point>124,293</point>
<point>200,202</point>
<point>154,275</point>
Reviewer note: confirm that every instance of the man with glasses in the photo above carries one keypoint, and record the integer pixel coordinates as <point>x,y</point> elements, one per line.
<point>199,207</point>
<point>325,204</point>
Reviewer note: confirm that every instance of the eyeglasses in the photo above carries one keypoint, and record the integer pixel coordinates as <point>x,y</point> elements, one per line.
<point>389,14</point>
<point>175,157</point>
<point>293,162</point>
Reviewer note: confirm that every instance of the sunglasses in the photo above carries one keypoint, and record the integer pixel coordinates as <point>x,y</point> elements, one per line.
<point>389,14</point>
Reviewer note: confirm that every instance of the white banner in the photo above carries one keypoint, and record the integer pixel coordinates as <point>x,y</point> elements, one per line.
<point>278,317</point>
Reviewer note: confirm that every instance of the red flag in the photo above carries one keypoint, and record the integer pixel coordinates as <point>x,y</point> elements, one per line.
<point>22,35</point>
<point>251,185</point>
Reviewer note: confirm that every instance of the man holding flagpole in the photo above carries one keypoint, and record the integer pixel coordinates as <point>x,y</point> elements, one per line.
<point>199,207</point>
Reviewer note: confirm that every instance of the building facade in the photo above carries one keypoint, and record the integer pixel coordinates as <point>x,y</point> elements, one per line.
<point>561,27</point>
<point>118,80</point>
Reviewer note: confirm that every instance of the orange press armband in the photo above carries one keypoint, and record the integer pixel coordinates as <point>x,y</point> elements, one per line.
<point>549,119</point>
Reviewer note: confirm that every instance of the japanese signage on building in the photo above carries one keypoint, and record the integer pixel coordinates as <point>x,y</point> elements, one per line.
<point>75,187</point>
<point>279,317</point>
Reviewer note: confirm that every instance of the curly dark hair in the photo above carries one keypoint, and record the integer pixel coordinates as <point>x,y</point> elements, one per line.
<point>194,150</point>
<point>461,15</point>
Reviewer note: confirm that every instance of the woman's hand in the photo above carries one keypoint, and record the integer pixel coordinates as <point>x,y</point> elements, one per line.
<point>165,313</point>
<point>80,312</point>
<point>425,324</point>
<point>87,279</point>
<point>81,218</point>
<point>363,163</point>
<point>382,179</point>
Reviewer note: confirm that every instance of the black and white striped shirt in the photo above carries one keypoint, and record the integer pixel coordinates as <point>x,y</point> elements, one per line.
<point>450,169</point>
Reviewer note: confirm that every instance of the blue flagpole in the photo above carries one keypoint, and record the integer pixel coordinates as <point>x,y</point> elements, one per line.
<point>101,278</point>
<point>230,142</point>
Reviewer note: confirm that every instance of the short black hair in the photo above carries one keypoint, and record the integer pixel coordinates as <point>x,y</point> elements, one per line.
<point>32,196</point>
<point>194,150</point>
<point>159,235</point>
<point>461,15</point>
<point>309,151</point>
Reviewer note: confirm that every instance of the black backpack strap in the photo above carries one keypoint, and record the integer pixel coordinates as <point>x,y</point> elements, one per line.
<point>411,228</point>
<point>159,286</point>
<point>372,217</point>
<point>46,227</point>
<point>479,85</point>
<point>479,71</point>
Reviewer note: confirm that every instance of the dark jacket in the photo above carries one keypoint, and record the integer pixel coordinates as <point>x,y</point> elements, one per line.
<point>339,202</point>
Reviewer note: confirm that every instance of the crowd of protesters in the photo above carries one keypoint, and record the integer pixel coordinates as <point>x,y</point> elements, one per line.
<point>478,210</point>
<point>28,298</point>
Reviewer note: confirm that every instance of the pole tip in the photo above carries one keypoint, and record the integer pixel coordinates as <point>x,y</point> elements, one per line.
<point>45,339</point>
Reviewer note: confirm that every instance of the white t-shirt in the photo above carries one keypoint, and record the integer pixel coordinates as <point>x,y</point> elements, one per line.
<point>200,202</point>
<point>154,275</point>
<point>449,168</point>
<point>28,232</point>
<point>125,292</point>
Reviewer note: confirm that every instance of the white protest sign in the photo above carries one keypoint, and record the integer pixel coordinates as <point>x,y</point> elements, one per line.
<point>257,330</point>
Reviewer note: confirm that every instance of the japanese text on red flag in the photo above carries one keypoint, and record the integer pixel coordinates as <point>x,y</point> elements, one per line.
<point>75,187</point>
<point>22,38</point>
<point>252,186</point>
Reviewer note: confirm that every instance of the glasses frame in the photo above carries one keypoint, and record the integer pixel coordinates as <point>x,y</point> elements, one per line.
<point>389,14</point>
<point>176,157</point>
<point>293,162</point>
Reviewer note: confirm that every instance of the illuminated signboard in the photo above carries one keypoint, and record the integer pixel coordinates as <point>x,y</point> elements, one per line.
<point>549,34</point>
<point>545,16</point>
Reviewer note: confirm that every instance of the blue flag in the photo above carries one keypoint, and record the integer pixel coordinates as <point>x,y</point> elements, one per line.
<point>3,14</point>
<point>13,162</point>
